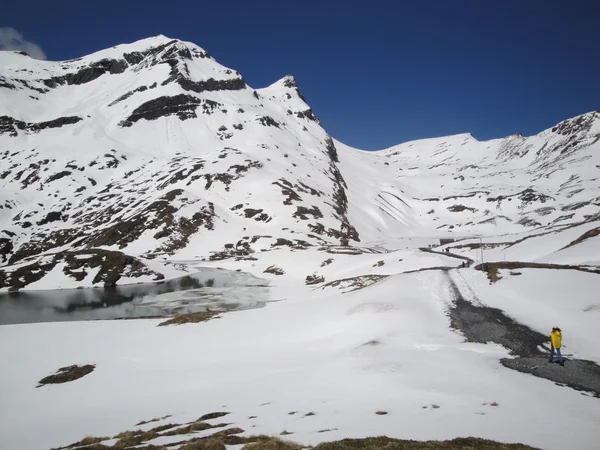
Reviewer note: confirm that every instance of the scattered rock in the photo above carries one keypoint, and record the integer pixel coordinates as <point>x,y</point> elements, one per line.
<point>315,279</point>
<point>274,270</point>
<point>66,374</point>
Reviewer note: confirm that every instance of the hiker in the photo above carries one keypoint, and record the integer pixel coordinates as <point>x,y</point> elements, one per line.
<point>555,344</point>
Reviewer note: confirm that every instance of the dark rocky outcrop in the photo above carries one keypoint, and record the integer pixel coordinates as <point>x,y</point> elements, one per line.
<point>314,279</point>
<point>9,125</point>
<point>44,241</point>
<point>95,70</point>
<point>234,84</point>
<point>172,50</point>
<point>5,84</point>
<point>302,212</point>
<point>460,208</point>
<point>274,270</point>
<point>128,94</point>
<point>134,58</point>
<point>52,216</point>
<point>331,150</point>
<point>6,248</point>
<point>161,216</point>
<point>527,196</point>
<point>288,191</point>
<point>308,114</point>
<point>290,82</point>
<point>346,232</point>
<point>66,374</point>
<point>110,265</point>
<point>182,105</point>
<point>268,121</point>
<point>249,212</point>
<point>576,125</point>
<point>57,176</point>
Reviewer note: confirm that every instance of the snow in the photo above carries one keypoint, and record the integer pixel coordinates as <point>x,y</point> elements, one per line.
<point>305,354</point>
<point>327,349</point>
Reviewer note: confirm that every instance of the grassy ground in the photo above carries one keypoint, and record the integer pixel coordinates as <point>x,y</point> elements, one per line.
<point>385,443</point>
<point>492,268</point>
<point>224,436</point>
<point>219,442</point>
<point>196,317</point>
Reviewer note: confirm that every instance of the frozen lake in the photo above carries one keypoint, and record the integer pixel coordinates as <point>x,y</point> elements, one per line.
<point>209,289</point>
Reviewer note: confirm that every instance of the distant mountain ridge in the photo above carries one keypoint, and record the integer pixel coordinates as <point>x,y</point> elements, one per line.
<point>116,165</point>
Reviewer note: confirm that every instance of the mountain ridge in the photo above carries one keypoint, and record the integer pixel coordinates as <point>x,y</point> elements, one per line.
<point>152,152</point>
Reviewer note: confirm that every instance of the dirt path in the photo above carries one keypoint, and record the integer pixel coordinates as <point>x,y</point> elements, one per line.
<point>451,255</point>
<point>480,323</point>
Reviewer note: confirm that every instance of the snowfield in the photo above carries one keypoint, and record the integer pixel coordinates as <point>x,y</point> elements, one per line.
<point>150,161</point>
<point>387,348</point>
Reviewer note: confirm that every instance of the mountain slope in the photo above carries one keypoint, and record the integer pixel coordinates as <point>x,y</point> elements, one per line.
<point>118,164</point>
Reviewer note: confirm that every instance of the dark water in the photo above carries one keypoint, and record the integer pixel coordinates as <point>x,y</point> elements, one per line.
<point>217,290</point>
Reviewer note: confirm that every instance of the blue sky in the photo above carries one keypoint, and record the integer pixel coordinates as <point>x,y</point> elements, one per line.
<point>377,73</point>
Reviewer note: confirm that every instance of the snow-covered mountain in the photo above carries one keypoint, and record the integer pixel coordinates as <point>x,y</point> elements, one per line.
<point>117,165</point>
<point>150,160</point>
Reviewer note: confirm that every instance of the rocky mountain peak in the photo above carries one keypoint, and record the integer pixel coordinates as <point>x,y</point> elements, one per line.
<point>585,123</point>
<point>121,161</point>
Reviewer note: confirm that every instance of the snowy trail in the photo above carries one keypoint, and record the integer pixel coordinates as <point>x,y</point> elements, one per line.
<point>464,288</point>
<point>482,323</point>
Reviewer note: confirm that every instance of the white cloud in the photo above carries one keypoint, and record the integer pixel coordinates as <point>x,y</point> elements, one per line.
<point>11,39</point>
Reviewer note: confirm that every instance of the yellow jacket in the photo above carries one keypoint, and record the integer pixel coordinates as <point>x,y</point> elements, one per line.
<point>556,338</point>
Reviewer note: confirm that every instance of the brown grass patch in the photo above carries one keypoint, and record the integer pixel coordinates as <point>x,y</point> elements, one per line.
<point>493,272</point>
<point>87,442</point>
<point>587,235</point>
<point>220,440</point>
<point>271,443</point>
<point>492,267</point>
<point>197,317</point>
<point>385,443</point>
<point>193,426</point>
<point>66,374</point>
<point>204,444</point>
<point>161,428</point>
<point>156,419</point>
<point>133,438</point>
<point>214,415</point>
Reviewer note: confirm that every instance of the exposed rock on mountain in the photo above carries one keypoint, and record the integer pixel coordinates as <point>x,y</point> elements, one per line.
<point>119,162</point>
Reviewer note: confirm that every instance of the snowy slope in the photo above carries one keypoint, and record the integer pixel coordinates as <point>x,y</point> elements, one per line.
<point>150,159</point>
<point>155,151</point>
<point>147,148</point>
<point>340,357</point>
